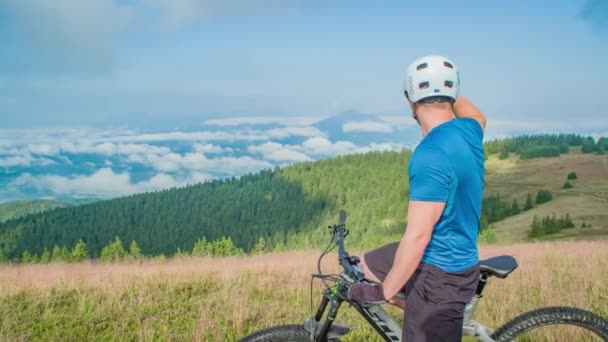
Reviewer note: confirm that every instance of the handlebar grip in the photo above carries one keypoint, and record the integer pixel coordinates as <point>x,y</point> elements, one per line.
<point>342,217</point>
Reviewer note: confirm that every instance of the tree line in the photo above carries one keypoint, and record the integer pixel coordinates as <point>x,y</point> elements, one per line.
<point>549,225</point>
<point>115,251</point>
<point>544,145</point>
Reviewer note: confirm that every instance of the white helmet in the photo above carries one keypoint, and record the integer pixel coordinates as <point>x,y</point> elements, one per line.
<point>431,76</point>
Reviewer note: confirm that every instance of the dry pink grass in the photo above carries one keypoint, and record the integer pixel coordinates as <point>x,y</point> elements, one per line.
<point>555,273</point>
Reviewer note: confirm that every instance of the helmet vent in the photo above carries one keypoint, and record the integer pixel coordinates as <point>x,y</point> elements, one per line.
<point>421,66</point>
<point>449,65</point>
<point>448,84</point>
<point>423,85</point>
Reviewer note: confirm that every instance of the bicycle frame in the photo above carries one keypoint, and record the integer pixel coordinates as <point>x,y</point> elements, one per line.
<point>381,321</point>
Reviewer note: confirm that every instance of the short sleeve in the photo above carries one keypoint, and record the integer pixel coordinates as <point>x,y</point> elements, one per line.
<point>472,128</point>
<point>430,175</point>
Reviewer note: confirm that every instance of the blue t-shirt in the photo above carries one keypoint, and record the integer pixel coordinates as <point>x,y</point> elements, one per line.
<point>447,166</point>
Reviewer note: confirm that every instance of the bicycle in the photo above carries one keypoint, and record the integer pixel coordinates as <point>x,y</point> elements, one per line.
<point>314,329</point>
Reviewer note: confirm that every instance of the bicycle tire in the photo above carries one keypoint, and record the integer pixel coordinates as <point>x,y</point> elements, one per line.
<point>558,315</point>
<point>280,333</point>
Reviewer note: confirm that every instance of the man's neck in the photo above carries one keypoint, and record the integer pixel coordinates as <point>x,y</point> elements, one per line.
<point>430,118</point>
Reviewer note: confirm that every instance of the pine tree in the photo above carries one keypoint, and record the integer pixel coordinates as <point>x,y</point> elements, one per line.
<point>259,247</point>
<point>201,248</point>
<point>27,257</point>
<point>80,252</point>
<point>529,204</point>
<point>515,208</point>
<point>135,251</point>
<point>181,253</point>
<point>60,254</point>
<point>114,251</point>
<point>45,258</point>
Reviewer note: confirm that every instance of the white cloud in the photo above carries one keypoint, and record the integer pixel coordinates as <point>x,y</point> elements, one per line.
<point>380,147</point>
<point>23,160</point>
<point>190,136</point>
<point>323,147</point>
<point>367,126</point>
<point>277,152</point>
<point>174,162</point>
<point>210,148</point>
<point>400,121</point>
<point>300,131</point>
<point>105,182</point>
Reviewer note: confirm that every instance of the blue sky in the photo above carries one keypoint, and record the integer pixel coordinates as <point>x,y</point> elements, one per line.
<point>104,98</point>
<point>109,62</point>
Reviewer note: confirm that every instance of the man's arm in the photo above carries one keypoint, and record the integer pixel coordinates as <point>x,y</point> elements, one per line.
<point>422,217</point>
<point>463,108</point>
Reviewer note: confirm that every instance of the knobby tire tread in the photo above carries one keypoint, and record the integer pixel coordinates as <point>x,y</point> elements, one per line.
<point>550,316</point>
<point>288,332</point>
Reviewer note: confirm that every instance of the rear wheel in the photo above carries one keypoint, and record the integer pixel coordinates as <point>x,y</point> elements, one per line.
<point>528,326</point>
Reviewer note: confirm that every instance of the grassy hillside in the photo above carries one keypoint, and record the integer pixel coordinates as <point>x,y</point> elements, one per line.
<point>17,209</point>
<point>288,207</point>
<point>222,299</point>
<point>586,202</point>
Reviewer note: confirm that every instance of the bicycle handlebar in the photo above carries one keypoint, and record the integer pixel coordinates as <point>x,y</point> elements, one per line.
<point>343,256</point>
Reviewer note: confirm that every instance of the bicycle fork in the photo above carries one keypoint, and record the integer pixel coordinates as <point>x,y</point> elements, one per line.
<point>321,332</point>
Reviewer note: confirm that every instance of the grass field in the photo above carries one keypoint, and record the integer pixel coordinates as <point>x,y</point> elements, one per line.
<point>205,299</point>
<point>586,202</point>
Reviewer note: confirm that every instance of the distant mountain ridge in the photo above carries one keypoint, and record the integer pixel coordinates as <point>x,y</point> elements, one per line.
<point>16,209</point>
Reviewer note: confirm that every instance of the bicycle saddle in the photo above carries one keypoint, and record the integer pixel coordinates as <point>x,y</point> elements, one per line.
<point>499,266</point>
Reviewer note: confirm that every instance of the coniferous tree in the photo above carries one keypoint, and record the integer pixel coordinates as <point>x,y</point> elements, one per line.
<point>114,251</point>
<point>259,247</point>
<point>515,208</point>
<point>80,252</point>
<point>60,254</point>
<point>135,251</point>
<point>27,257</point>
<point>45,258</point>
<point>529,204</point>
<point>201,248</point>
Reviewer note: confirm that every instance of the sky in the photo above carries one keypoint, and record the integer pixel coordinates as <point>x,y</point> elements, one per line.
<point>110,62</point>
<point>104,98</point>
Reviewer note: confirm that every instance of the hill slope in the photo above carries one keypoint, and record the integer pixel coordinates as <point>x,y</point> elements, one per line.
<point>586,202</point>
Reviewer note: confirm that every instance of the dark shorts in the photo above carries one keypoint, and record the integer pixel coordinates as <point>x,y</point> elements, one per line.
<point>434,299</point>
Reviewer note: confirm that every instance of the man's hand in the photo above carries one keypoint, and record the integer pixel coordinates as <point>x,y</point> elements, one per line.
<point>366,293</point>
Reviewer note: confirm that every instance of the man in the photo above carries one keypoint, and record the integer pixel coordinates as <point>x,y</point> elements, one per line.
<point>436,261</point>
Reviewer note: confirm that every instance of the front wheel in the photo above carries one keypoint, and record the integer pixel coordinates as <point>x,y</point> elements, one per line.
<point>281,333</point>
<point>520,328</point>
